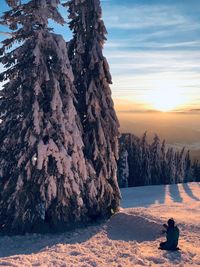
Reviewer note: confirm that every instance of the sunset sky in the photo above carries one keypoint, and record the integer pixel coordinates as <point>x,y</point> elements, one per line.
<point>154,52</point>
<point>153,49</point>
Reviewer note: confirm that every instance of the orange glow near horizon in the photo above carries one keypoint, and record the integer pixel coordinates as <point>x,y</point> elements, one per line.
<point>163,96</point>
<point>166,96</point>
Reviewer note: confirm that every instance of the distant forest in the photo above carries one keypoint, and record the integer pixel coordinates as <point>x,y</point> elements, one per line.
<point>142,163</point>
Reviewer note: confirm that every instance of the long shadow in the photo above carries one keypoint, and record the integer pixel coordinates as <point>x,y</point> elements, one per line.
<point>189,192</point>
<point>129,227</point>
<point>33,243</point>
<point>143,196</point>
<point>174,193</point>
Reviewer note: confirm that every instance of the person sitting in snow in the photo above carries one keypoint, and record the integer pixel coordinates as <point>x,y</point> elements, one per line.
<point>172,234</point>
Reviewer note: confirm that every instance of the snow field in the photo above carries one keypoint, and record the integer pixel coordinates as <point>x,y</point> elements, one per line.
<point>130,238</point>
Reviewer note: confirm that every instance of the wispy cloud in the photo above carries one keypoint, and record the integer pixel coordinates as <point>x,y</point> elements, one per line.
<point>136,16</point>
<point>130,43</point>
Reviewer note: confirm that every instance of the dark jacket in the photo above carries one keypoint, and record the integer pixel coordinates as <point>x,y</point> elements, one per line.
<point>172,237</point>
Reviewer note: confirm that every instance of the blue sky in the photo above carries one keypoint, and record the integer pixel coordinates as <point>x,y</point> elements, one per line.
<point>153,49</point>
<point>154,45</point>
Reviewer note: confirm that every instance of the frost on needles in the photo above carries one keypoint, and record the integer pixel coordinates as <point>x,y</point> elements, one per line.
<point>46,181</point>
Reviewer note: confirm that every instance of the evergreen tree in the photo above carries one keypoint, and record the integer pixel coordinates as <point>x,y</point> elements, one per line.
<point>145,178</point>
<point>123,168</point>
<point>132,145</point>
<point>95,106</point>
<point>164,175</point>
<point>176,159</point>
<point>171,166</point>
<point>196,171</point>
<point>155,151</point>
<point>136,161</point>
<point>181,166</point>
<point>188,168</point>
<point>44,180</point>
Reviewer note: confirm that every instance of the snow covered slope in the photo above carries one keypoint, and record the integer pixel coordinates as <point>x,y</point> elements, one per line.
<point>129,238</point>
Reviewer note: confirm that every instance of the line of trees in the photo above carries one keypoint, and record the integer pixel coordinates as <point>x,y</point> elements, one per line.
<point>141,163</point>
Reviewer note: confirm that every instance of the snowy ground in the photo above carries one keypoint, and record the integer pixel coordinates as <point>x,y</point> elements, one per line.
<point>130,238</point>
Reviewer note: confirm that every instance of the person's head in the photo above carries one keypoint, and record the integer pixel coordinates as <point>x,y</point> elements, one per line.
<point>171,222</point>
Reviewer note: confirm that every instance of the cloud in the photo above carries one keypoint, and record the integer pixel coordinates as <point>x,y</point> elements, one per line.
<point>195,110</point>
<point>130,43</point>
<point>172,63</point>
<point>134,16</point>
<point>139,111</point>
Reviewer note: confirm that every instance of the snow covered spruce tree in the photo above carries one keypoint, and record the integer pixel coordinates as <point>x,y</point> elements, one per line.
<point>155,151</point>
<point>43,173</point>
<point>188,168</point>
<point>95,105</point>
<point>164,167</point>
<point>196,171</point>
<point>145,178</point>
<point>180,166</point>
<point>123,168</point>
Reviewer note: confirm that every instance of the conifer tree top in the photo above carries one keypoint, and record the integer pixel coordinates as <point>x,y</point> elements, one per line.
<point>24,18</point>
<point>82,10</point>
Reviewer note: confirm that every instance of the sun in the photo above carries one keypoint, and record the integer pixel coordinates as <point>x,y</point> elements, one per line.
<point>165,96</point>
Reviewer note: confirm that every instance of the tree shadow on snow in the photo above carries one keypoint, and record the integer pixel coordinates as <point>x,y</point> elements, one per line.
<point>174,193</point>
<point>130,227</point>
<point>34,243</point>
<point>189,192</point>
<point>144,197</point>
